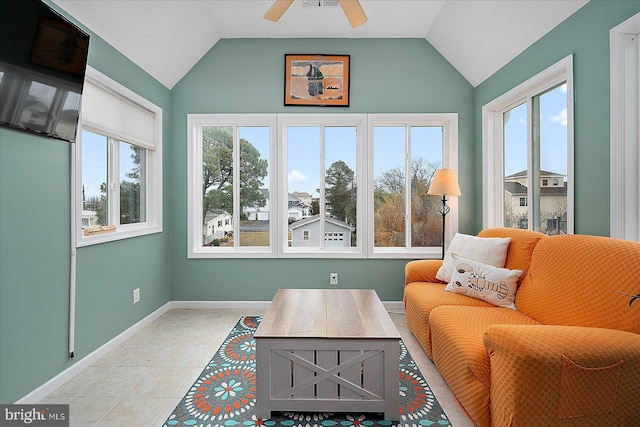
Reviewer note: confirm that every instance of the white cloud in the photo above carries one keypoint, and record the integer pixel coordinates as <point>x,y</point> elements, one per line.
<point>561,117</point>
<point>297,176</point>
<point>563,88</point>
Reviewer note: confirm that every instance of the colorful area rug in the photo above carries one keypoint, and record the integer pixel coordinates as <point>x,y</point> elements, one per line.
<point>225,393</point>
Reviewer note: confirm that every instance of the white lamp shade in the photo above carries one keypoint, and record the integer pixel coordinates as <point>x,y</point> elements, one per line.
<point>445,181</point>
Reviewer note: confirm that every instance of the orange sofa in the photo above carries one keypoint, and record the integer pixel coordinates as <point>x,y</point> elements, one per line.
<point>568,356</point>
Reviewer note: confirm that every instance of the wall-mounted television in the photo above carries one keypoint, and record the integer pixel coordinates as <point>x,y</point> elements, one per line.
<point>43,58</point>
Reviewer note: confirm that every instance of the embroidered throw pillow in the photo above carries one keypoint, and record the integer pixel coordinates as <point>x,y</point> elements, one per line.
<point>487,250</point>
<point>474,279</point>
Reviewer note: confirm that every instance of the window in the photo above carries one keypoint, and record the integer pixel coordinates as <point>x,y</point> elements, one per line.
<point>107,160</point>
<point>118,163</point>
<point>528,137</point>
<point>231,161</point>
<point>323,161</point>
<point>405,152</point>
<point>625,132</point>
<point>302,185</point>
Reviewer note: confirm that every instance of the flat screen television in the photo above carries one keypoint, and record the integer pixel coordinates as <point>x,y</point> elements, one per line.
<point>43,58</point>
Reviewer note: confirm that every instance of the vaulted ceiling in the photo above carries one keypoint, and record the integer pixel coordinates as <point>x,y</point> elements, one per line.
<point>167,38</point>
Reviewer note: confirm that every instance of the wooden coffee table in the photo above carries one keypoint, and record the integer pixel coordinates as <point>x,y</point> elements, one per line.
<point>327,350</point>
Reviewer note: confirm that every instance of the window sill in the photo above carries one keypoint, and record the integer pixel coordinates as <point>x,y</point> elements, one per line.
<point>221,253</point>
<point>123,232</point>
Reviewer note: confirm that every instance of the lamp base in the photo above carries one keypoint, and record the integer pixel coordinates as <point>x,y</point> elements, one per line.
<point>444,210</point>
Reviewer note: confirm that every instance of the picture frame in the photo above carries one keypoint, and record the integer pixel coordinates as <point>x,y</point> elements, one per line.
<point>316,80</point>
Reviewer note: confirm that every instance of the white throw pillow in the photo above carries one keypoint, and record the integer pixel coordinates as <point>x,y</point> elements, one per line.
<point>487,250</point>
<point>474,279</point>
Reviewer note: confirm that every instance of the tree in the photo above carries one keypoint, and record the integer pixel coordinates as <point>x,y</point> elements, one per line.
<point>130,197</point>
<point>340,191</point>
<point>315,207</point>
<point>510,217</point>
<point>217,172</point>
<point>389,206</point>
<point>130,203</point>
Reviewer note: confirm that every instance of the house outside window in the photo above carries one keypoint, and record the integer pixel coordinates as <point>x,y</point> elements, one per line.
<point>118,163</point>
<point>523,201</point>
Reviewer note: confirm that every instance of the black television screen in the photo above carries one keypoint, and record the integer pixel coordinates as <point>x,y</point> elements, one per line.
<point>43,59</point>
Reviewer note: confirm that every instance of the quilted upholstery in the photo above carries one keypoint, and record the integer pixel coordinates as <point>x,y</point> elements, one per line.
<point>421,298</point>
<point>460,355</point>
<point>529,384</point>
<point>588,287</point>
<point>570,354</point>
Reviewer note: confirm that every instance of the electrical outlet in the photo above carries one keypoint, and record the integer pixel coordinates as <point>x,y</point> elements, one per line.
<point>333,279</point>
<point>136,295</point>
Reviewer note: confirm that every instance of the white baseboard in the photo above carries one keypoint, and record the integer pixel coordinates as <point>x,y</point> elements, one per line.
<point>210,305</point>
<point>394,305</point>
<point>64,376</point>
<point>47,388</point>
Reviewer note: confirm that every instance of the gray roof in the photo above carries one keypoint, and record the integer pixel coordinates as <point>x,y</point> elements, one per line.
<point>315,218</point>
<point>543,174</point>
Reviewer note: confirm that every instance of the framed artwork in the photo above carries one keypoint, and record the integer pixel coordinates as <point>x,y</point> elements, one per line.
<point>316,80</point>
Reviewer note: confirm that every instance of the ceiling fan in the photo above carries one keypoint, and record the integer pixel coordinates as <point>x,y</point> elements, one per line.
<point>351,9</point>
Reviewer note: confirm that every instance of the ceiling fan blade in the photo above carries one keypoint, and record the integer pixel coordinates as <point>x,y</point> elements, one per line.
<point>277,9</point>
<point>354,12</point>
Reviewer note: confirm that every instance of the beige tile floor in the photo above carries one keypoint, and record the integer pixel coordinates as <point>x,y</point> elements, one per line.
<point>142,381</point>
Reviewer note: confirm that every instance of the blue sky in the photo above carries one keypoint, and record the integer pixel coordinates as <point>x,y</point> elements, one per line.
<point>304,169</point>
<point>553,134</point>
<point>94,162</point>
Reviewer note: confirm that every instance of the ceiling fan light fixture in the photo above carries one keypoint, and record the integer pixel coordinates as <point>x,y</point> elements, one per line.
<point>351,8</point>
<point>317,4</point>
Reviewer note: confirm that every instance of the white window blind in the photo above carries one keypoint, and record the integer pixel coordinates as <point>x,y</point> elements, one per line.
<point>117,116</point>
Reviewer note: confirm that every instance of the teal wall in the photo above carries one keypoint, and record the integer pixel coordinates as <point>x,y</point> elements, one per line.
<point>585,34</point>
<point>35,252</point>
<point>246,76</point>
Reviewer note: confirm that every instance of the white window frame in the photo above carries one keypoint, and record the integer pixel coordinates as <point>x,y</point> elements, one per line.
<point>449,124</point>
<point>153,170</point>
<point>195,122</point>
<point>625,116</point>
<point>359,121</point>
<point>493,147</point>
<point>278,188</point>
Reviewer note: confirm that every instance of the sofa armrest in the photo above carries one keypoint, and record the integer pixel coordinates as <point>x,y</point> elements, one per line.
<point>547,373</point>
<point>422,270</point>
